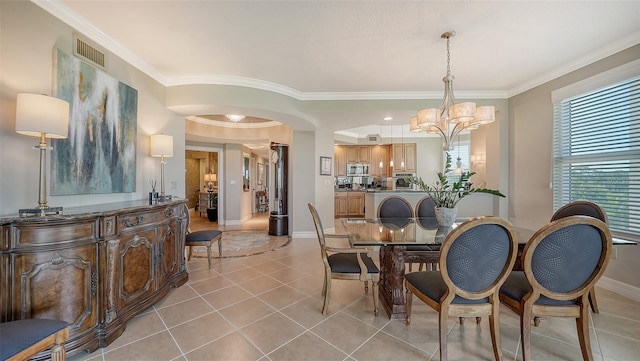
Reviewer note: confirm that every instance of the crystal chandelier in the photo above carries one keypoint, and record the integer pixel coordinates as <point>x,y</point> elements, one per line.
<point>450,118</point>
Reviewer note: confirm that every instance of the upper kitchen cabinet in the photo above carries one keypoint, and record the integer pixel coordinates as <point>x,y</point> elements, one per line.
<point>358,154</point>
<point>340,161</point>
<point>406,151</point>
<point>379,155</point>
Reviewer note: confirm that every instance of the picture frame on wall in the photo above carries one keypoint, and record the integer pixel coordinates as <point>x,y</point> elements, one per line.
<point>325,165</point>
<point>260,173</point>
<point>99,156</point>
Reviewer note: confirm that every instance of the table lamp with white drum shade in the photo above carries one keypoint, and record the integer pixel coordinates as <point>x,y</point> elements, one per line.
<point>45,117</point>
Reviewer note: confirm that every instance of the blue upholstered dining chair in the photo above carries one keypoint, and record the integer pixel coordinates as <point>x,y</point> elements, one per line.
<point>394,207</point>
<point>395,212</point>
<point>582,208</point>
<point>562,261</point>
<point>22,339</point>
<point>426,214</point>
<point>344,264</point>
<point>475,259</point>
<point>202,238</point>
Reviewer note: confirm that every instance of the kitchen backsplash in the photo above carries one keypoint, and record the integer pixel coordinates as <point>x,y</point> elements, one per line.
<point>365,182</point>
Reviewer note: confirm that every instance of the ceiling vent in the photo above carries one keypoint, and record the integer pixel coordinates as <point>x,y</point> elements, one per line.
<point>373,138</point>
<point>89,52</point>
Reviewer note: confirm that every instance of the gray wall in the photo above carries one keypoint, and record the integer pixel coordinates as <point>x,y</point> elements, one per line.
<point>302,156</point>
<point>27,38</point>
<point>531,115</point>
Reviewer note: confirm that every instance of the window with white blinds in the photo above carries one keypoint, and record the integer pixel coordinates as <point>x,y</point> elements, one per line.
<point>461,151</point>
<point>596,155</point>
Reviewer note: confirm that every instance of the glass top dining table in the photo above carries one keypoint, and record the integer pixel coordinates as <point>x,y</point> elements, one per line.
<point>398,231</point>
<point>416,231</point>
<point>423,237</point>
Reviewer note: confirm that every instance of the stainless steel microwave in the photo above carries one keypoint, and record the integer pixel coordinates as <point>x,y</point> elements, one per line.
<point>357,169</point>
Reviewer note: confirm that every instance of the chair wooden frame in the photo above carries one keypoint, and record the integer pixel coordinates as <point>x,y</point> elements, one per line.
<point>217,237</point>
<point>364,275</point>
<point>526,307</point>
<point>55,342</point>
<point>601,215</point>
<point>446,308</point>
<point>394,198</point>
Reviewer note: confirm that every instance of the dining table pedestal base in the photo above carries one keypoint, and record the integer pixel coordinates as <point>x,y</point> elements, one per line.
<point>392,283</point>
<point>392,262</point>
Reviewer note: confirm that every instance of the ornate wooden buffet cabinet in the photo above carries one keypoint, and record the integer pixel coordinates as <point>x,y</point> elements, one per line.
<point>94,267</point>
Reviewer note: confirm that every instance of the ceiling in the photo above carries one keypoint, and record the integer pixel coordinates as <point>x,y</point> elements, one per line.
<point>357,49</point>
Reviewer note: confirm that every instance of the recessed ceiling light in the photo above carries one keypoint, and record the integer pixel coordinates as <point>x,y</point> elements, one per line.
<point>388,118</point>
<point>234,117</point>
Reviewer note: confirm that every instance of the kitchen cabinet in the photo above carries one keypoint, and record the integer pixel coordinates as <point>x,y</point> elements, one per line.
<point>358,154</point>
<point>348,204</point>
<point>379,153</point>
<point>340,161</point>
<point>408,152</point>
<point>95,267</point>
<point>355,204</point>
<point>340,204</point>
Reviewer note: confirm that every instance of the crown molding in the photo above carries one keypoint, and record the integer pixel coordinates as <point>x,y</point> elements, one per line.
<point>611,49</point>
<point>71,18</point>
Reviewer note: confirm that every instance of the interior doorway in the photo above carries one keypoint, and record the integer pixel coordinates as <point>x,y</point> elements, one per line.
<point>197,164</point>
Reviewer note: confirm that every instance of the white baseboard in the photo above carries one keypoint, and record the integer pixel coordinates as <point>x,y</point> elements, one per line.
<point>620,288</point>
<point>304,235</point>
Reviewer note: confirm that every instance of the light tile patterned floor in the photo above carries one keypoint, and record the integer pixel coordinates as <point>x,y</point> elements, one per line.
<point>268,307</point>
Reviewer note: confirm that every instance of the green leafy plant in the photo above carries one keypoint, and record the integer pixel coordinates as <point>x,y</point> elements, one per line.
<point>212,200</point>
<point>447,194</point>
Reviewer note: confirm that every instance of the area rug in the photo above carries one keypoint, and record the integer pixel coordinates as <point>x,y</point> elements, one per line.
<point>243,243</point>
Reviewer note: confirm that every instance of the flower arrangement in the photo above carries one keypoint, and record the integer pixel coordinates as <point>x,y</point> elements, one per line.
<point>446,194</point>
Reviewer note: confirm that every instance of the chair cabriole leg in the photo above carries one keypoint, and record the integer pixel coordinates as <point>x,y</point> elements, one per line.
<point>582,323</point>
<point>327,292</point>
<point>443,318</point>
<point>375,299</point>
<point>408,303</point>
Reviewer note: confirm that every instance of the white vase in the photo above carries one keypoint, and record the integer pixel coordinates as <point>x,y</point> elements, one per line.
<point>446,216</point>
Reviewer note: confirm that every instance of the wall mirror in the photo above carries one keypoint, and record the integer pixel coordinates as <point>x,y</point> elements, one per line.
<point>245,172</point>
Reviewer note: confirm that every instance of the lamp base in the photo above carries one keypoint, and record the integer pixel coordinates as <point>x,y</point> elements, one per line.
<point>40,212</point>
<point>164,198</point>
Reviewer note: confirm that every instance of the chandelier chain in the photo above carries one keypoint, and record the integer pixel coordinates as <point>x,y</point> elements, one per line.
<point>448,57</point>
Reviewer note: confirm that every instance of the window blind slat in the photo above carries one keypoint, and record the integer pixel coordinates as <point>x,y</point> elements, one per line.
<point>597,153</point>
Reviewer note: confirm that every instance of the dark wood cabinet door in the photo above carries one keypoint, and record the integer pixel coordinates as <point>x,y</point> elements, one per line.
<point>134,268</point>
<point>168,252</point>
<point>60,284</point>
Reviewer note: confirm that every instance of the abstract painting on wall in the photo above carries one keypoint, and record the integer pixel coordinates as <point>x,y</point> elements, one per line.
<point>99,156</point>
